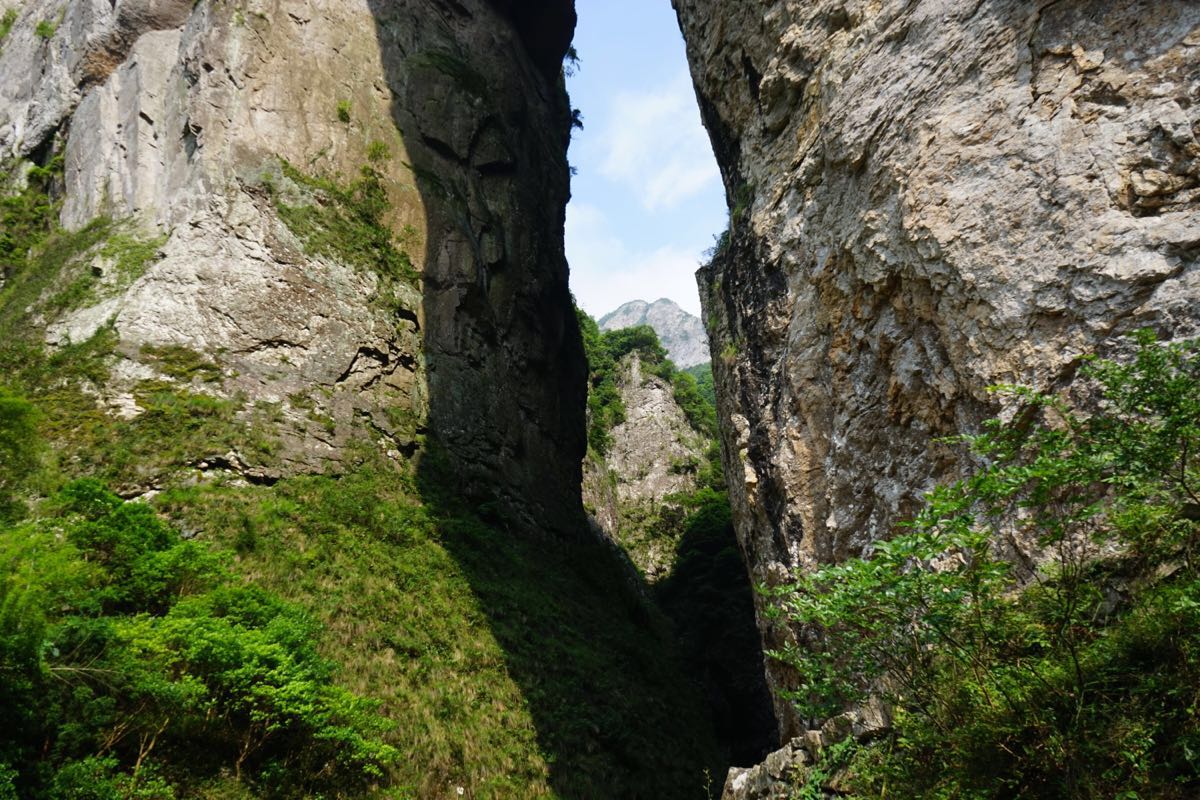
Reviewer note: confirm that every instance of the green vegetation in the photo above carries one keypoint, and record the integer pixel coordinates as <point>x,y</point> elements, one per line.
<point>6,23</point>
<point>181,362</point>
<point>347,222</point>
<point>17,454</point>
<point>604,350</point>
<point>27,216</point>
<point>743,200</point>
<point>502,664</point>
<point>508,667</point>
<point>131,662</point>
<point>378,151</point>
<point>48,271</point>
<point>705,592</point>
<point>703,375</point>
<point>177,427</point>
<point>343,111</point>
<point>45,29</point>
<point>43,264</point>
<point>570,62</point>
<point>1084,684</point>
<point>127,255</point>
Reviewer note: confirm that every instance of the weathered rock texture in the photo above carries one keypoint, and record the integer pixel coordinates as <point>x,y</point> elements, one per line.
<point>783,770</point>
<point>928,198</point>
<point>681,333</point>
<point>655,453</point>
<point>177,117</point>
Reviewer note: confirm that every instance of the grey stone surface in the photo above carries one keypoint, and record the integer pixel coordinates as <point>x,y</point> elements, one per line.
<point>680,332</point>
<point>654,454</point>
<point>175,116</point>
<point>928,198</point>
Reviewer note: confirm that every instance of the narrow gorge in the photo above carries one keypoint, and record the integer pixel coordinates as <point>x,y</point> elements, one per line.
<point>314,482</point>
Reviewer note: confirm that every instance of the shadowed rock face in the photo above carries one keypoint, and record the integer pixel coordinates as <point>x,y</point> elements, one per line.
<point>202,123</point>
<point>482,106</point>
<point>927,198</point>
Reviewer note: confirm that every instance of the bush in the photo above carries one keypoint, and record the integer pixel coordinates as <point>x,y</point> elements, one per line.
<point>122,645</point>
<point>1082,685</point>
<point>604,350</point>
<point>18,456</point>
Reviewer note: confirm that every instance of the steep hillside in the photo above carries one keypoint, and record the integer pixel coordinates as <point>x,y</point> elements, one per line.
<point>323,235</point>
<point>681,333</point>
<point>653,485</point>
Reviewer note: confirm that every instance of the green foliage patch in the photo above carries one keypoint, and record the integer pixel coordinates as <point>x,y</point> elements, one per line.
<point>181,362</point>
<point>509,666</point>
<point>131,662</point>
<point>346,222</point>
<point>504,664</point>
<point>6,23</point>
<point>604,350</point>
<point>18,457</point>
<point>126,255</point>
<point>1084,684</point>
<point>703,374</point>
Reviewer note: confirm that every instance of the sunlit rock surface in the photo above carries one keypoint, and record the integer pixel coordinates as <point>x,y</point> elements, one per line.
<point>193,123</point>
<point>927,198</point>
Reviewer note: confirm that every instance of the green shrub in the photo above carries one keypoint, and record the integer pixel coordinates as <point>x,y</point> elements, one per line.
<point>6,24</point>
<point>604,350</point>
<point>123,647</point>
<point>347,222</point>
<point>704,381</point>
<point>18,454</point>
<point>1083,684</point>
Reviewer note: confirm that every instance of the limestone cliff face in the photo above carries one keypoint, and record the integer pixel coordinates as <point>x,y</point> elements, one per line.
<point>655,453</point>
<point>235,136</point>
<point>928,198</point>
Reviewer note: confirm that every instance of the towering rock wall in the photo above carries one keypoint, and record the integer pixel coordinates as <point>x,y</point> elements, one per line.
<point>357,207</point>
<point>927,198</point>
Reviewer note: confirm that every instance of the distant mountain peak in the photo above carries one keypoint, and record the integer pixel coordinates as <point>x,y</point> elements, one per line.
<point>680,332</point>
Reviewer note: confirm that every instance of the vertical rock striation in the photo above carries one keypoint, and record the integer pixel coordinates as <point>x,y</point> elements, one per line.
<point>927,198</point>
<point>358,210</point>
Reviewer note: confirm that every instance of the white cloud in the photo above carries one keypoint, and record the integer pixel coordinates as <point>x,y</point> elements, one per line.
<point>605,273</point>
<point>655,145</point>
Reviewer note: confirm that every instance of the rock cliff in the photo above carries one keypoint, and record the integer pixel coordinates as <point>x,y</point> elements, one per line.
<point>655,453</point>
<point>681,333</point>
<point>927,198</point>
<point>355,214</point>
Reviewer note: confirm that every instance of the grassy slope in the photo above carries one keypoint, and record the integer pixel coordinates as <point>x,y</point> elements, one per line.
<point>512,666</point>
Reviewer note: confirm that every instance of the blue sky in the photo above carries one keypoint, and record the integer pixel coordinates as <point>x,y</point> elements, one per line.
<point>647,197</point>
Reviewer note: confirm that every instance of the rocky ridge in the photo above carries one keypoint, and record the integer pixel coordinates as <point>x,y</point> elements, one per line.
<point>927,199</point>
<point>681,333</point>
